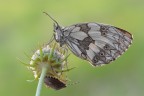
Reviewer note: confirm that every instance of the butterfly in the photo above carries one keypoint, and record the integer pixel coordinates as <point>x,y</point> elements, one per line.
<point>95,42</point>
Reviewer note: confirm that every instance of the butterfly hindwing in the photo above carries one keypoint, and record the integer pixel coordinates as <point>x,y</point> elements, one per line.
<point>97,43</point>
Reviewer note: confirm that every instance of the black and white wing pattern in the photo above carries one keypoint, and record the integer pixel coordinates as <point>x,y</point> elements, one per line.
<point>97,43</point>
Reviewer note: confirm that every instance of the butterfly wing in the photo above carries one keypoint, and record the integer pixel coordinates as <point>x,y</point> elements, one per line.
<point>97,43</point>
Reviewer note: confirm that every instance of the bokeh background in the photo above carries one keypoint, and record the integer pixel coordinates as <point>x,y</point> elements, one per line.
<point>23,27</point>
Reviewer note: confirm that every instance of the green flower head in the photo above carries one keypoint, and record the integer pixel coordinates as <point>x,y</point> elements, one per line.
<point>55,62</point>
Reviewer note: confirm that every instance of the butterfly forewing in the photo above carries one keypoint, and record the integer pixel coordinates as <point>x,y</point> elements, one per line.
<point>97,43</point>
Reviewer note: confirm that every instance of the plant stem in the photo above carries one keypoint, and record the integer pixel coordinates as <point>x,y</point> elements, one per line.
<point>41,80</point>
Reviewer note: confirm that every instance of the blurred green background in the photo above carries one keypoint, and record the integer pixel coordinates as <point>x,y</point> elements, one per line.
<point>23,26</point>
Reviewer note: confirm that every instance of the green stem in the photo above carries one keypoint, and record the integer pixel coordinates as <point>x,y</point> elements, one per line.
<point>41,80</point>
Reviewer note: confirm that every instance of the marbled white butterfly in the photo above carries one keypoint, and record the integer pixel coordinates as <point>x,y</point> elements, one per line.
<point>95,42</point>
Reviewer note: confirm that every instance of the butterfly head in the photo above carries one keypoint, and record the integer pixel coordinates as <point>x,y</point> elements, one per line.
<point>58,32</point>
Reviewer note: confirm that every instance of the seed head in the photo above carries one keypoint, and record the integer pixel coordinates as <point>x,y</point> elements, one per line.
<point>55,60</point>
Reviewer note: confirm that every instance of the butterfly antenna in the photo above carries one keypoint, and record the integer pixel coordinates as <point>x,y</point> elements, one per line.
<point>51,17</point>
